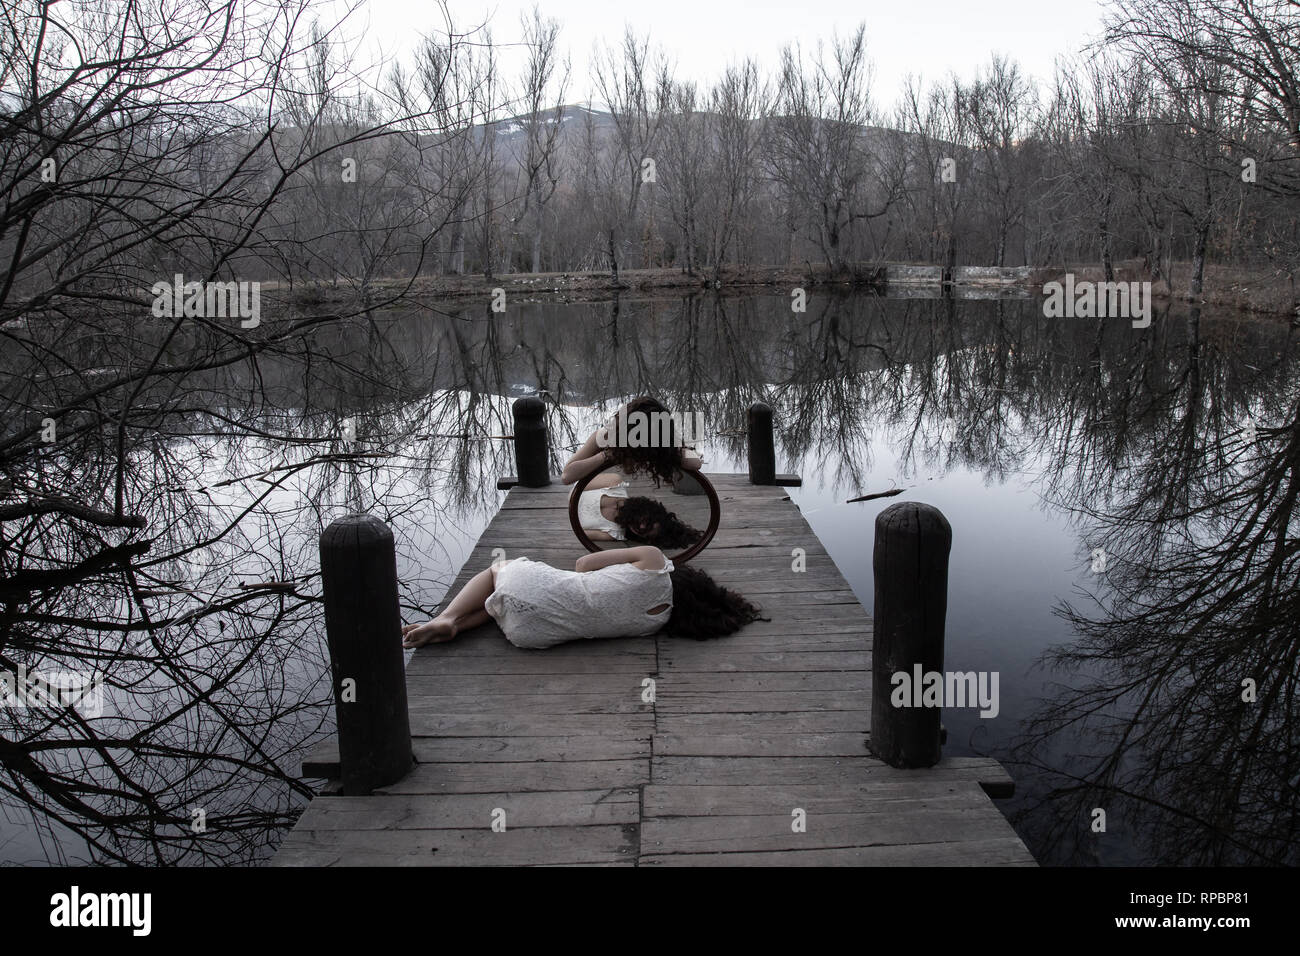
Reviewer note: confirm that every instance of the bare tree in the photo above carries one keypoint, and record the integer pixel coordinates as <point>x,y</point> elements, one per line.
<point>543,87</point>
<point>686,144</point>
<point>635,83</point>
<point>741,102</point>
<point>1001,109</point>
<point>818,152</point>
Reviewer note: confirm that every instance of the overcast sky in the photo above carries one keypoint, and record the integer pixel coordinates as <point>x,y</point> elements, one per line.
<point>924,37</point>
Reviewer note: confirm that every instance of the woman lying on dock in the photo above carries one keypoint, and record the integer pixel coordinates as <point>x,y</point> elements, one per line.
<point>641,438</point>
<point>632,592</point>
<point>607,513</point>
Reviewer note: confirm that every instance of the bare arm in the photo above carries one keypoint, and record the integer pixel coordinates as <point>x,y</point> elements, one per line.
<point>578,468</point>
<point>590,447</point>
<point>591,456</point>
<point>646,557</point>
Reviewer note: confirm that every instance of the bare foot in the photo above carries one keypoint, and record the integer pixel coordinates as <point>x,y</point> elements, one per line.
<point>430,632</point>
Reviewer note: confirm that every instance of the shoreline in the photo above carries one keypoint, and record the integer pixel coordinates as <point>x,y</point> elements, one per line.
<point>1233,289</point>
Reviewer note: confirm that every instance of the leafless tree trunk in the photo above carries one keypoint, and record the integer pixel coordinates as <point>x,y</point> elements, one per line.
<point>635,83</point>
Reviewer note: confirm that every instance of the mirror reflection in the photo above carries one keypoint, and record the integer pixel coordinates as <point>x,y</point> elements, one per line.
<point>618,510</point>
<point>636,481</point>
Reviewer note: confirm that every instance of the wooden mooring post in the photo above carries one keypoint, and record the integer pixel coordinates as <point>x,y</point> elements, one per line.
<point>363,625</point>
<point>762,449</point>
<point>762,445</point>
<point>532,451</point>
<point>910,562</point>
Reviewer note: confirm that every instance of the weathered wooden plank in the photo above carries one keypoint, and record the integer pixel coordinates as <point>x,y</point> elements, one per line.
<point>775,560</point>
<point>525,846</point>
<point>439,740</point>
<point>532,725</point>
<point>742,723</point>
<point>800,597</point>
<point>762,745</point>
<point>796,629</point>
<point>744,702</point>
<point>787,614</point>
<point>611,745</point>
<point>771,571</point>
<point>429,748</point>
<point>1008,851</point>
<point>946,819</point>
<point>467,811</point>
<point>632,661</point>
<point>489,642</point>
<point>322,761</point>
<point>749,771</point>
<point>525,704</point>
<point>759,587</point>
<point>660,800</point>
<point>612,685</point>
<point>772,645</point>
<point>526,776</point>
<point>750,641</point>
<point>677,662</point>
<point>761,682</point>
<point>554,488</point>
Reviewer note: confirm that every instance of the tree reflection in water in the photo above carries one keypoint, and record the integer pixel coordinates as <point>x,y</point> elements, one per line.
<point>236,457</point>
<point>1200,595</point>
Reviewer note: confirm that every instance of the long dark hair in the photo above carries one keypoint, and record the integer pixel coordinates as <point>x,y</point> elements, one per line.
<point>661,463</point>
<point>647,521</point>
<point>703,609</point>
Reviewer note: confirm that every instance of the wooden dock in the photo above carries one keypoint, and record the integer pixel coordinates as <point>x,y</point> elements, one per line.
<point>742,738</point>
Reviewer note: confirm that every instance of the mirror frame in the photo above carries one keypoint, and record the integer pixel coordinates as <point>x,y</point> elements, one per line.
<point>715,517</point>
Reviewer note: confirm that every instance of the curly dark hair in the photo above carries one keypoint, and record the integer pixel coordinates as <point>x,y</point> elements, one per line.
<point>662,462</point>
<point>647,521</point>
<point>704,609</point>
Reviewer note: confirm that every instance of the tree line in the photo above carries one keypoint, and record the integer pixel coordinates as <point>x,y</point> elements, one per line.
<point>240,140</point>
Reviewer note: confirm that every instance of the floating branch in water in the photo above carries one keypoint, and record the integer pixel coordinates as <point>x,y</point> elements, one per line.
<point>467,437</point>
<point>879,494</point>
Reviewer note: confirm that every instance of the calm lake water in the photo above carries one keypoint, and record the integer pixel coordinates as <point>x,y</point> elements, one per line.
<point>1174,451</point>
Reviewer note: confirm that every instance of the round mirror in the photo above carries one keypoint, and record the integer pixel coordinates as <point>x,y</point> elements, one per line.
<point>610,509</point>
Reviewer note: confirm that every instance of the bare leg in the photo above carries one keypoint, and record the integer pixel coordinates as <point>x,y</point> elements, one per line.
<point>463,613</point>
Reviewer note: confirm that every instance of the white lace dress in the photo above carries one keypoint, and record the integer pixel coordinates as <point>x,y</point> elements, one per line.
<point>589,513</point>
<point>537,605</point>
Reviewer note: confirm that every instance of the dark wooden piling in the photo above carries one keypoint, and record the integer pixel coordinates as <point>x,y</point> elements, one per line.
<point>762,445</point>
<point>532,451</point>
<point>762,450</point>
<point>363,626</point>
<point>911,578</point>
